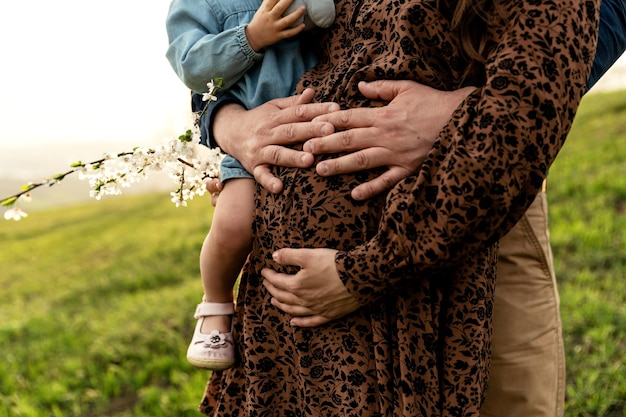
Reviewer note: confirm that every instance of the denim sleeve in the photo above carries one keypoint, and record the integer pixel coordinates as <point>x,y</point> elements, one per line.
<point>201,48</point>
<point>611,38</point>
<point>206,122</point>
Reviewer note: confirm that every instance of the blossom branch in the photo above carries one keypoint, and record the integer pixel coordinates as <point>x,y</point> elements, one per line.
<point>109,174</point>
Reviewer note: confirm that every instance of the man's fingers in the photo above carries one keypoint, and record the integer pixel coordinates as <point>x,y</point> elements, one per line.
<point>344,141</point>
<point>289,133</point>
<point>346,119</point>
<point>269,181</point>
<point>285,157</point>
<point>306,96</point>
<point>299,107</point>
<point>283,103</point>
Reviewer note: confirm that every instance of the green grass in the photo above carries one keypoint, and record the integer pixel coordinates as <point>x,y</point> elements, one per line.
<point>587,194</point>
<point>97,298</point>
<point>97,306</point>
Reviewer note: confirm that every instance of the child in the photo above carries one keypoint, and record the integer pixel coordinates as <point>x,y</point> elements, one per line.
<point>240,42</point>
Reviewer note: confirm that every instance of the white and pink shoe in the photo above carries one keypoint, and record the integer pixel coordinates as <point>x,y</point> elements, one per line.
<point>214,350</point>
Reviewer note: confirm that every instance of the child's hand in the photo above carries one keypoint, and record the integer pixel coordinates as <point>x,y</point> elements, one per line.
<point>269,26</point>
<point>214,186</point>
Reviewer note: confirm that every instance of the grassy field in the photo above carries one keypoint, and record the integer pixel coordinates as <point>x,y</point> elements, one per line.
<point>587,194</point>
<point>97,298</point>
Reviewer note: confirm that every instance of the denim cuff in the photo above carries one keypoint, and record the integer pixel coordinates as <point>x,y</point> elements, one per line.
<point>245,45</point>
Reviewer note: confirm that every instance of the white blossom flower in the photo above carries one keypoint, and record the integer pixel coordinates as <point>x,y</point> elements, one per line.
<point>14,213</point>
<point>208,97</point>
<point>177,200</point>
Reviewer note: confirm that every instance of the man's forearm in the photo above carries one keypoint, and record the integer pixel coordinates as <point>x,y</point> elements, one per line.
<point>225,128</point>
<point>198,105</point>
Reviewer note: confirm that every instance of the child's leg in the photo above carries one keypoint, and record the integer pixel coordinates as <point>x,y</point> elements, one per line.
<point>226,247</point>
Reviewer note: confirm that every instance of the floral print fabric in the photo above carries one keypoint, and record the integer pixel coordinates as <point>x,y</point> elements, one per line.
<point>421,259</point>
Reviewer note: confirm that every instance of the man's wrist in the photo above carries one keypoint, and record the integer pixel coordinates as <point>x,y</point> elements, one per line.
<point>220,132</point>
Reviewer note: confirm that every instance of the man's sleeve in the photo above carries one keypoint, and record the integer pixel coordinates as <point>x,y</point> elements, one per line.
<point>611,38</point>
<point>206,121</point>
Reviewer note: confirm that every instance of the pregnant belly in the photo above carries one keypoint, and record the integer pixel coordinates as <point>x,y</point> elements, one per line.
<point>315,212</point>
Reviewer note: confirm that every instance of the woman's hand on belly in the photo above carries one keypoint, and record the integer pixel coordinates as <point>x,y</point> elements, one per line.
<point>313,296</point>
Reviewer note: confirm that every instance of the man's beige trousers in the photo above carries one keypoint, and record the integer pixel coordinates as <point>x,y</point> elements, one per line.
<point>527,377</point>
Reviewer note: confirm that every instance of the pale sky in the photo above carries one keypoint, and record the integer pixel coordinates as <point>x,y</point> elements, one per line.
<point>84,71</point>
<point>87,71</point>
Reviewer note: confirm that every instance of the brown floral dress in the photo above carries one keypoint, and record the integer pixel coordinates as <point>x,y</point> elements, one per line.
<point>420,259</point>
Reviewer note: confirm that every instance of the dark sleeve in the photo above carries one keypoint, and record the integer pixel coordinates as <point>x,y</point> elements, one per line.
<point>206,121</point>
<point>611,38</point>
<point>489,162</point>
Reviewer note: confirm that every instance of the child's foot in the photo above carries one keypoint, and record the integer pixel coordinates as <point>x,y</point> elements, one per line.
<point>212,343</point>
<point>210,323</point>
